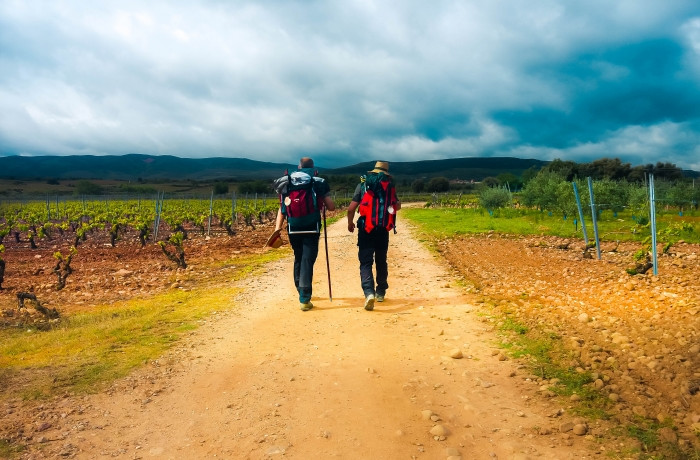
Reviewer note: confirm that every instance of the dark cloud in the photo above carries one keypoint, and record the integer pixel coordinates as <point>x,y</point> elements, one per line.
<point>638,85</point>
<point>352,80</point>
<point>635,84</point>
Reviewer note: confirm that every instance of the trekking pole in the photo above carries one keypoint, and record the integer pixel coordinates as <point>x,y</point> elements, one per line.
<point>328,263</point>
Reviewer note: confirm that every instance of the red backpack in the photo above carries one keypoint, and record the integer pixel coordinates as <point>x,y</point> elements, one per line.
<point>378,201</point>
<point>299,202</point>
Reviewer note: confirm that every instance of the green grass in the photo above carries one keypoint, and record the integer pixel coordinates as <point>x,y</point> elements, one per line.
<point>449,222</point>
<point>9,450</point>
<point>446,222</point>
<point>646,431</point>
<point>86,351</point>
<point>511,325</point>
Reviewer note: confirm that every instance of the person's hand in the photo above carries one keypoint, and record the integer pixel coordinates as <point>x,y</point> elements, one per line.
<point>351,226</point>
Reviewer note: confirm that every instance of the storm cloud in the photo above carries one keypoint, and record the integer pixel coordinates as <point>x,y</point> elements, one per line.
<point>352,81</point>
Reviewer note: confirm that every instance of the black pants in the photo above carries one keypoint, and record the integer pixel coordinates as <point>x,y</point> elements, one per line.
<point>305,248</point>
<point>373,248</point>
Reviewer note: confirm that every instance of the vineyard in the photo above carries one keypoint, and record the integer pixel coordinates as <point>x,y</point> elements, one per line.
<point>35,221</point>
<point>603,210</point>
<point>42,244</point>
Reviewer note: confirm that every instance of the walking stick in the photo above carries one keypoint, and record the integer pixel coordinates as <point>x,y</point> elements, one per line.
<point>328,264</point>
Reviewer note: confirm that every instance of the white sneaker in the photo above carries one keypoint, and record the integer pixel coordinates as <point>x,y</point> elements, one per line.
<point>369,302</point>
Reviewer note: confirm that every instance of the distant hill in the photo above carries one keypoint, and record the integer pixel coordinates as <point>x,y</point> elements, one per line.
<point>134,166</point>
<point>156,168</point>
<point>146,167</point>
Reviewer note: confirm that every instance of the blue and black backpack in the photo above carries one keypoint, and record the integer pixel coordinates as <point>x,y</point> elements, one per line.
<point>300,203</point>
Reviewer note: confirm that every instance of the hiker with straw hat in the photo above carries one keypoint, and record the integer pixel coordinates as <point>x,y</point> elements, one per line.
<point>375,199</point>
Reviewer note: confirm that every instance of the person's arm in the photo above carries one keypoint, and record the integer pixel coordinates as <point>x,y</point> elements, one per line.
<point>279,220</point>
<point>351,215</point>
<point>396,203</point>
<point>328,201</point>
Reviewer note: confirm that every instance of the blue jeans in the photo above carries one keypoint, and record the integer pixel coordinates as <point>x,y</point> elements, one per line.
<point>373,248</point>
<point>305,248</point>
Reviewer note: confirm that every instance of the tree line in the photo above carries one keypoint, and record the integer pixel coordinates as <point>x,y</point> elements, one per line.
<point>601,169</point>
<point>612,169</point>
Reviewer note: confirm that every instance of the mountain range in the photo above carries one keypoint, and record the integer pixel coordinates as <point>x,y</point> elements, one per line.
<point>149,168</point>
<point>134,167</point>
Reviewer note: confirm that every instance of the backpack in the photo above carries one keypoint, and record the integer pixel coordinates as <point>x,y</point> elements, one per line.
<point>377,202</point>
<point>299,201</point>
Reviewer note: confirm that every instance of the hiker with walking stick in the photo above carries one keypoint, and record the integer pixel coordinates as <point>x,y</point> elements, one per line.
<point>303,196</point>
<point>375,198</point>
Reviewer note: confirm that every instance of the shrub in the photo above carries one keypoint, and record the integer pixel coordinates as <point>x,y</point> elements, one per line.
<point>85,187</point>
<point>221,188</point>
<point>495,198</point>
<point>418,185</point>
<point>258,186</point>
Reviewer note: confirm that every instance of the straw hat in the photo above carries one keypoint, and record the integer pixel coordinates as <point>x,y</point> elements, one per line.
<point>381,167</point>
<point>275,240</point>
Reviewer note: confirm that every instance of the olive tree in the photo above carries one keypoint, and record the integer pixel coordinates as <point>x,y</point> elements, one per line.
<point>542,191</point>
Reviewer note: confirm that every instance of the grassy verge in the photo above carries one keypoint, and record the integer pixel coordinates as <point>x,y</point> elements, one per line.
<point>548,358</point>
<point>86,351</point>
<point>449,222</point>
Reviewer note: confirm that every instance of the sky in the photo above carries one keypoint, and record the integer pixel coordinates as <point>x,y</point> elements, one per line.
<point>354,80</point>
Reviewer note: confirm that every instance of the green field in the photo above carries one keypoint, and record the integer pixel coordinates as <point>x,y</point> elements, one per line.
<point>624,226</point>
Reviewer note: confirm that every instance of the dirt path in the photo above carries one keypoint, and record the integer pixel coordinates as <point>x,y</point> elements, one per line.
<point>267,380</point>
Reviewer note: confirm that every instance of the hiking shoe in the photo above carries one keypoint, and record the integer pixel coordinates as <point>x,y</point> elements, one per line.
<point>306,306</point>
<point>369,302</point>
<point>380,297</point>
